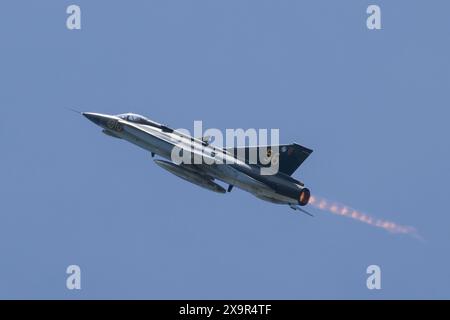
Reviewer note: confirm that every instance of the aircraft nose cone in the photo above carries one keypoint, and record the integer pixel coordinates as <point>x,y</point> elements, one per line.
<point>88,115</point>
<point>93,117</point>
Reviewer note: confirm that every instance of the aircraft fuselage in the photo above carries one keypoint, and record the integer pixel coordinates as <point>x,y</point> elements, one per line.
<point>161,140</point>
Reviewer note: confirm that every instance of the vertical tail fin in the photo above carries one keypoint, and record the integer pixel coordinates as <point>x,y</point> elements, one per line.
<point>291,156</point>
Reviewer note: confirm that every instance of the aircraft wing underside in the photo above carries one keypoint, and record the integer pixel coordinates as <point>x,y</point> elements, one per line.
<point>191,174</point>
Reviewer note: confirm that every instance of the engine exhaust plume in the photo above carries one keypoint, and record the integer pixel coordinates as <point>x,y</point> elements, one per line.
<point>346,211</point>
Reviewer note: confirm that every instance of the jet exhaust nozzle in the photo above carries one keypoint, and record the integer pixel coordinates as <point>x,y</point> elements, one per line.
<point>304,197</point>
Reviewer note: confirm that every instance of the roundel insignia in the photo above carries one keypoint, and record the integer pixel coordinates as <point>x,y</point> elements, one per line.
<point>119,127</point>
<point>283,149</point>
<point>290,150</point>
<point>275,159</point>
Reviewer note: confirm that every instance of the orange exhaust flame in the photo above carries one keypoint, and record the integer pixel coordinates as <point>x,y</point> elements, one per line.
<point>346,211</point>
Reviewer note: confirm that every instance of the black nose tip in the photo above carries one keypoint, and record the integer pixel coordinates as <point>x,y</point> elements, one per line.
<point>86,114</point>
<point>94,118</point>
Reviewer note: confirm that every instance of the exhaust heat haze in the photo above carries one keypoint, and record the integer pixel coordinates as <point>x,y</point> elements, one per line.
<point>346,211</point>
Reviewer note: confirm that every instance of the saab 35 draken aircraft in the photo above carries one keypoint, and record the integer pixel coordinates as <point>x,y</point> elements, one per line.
<point>234,167</point>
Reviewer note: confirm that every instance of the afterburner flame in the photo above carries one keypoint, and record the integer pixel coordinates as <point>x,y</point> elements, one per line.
<point>346,211</point>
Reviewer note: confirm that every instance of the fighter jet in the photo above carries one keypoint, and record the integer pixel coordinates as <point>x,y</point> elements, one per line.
<point>230,165</point>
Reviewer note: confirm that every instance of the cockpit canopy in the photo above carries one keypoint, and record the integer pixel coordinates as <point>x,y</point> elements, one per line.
<point>136,118</point>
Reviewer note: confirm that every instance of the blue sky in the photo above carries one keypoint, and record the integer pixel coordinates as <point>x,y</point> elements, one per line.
<point>373,105</point>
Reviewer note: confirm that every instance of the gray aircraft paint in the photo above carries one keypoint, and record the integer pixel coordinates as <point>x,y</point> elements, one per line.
<point>161,140</point>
